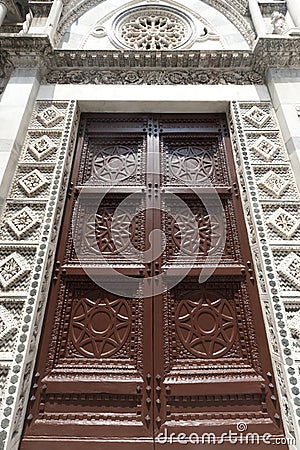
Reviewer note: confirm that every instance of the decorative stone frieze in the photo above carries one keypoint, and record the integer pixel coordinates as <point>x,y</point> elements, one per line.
<point>28,235</point>
<point>266,180</point>
<point>153,77</point>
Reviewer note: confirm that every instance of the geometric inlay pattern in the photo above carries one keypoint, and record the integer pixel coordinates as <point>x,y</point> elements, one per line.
<point>257,117</point>
<point>42,147</point>
<point>153,28</point>
<point>22,222</point>
<point>100,236</point>
<point>290,269</point>
<point>294,325</point>
<point>283,223</point>
<point>207,328</point>
<point>100,327</point>
<point>191,164</point>
<point>196,234</point>
<point>8,324</point>
<point>265,148</point>
<point>272,183</point>
<point>50,117</point>
<point>13,268</point>
<point>33,181</point>
<point>115,163</point>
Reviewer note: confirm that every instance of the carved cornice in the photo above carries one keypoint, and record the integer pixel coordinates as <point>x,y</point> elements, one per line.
<point>267,8</point>
<point>151,67</point>
<point>40,8</point>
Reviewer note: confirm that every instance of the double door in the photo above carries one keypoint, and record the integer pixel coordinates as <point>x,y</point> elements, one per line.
<point>153,326</point>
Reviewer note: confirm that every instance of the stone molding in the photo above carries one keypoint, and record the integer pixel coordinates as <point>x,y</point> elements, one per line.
<point>36,51</point>
<point>272,205</point>
<point>28,236</point>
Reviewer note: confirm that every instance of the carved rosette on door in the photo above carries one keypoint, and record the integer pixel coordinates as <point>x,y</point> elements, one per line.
<point>128,355</point>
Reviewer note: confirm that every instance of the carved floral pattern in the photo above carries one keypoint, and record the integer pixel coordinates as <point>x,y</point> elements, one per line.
<point>257,117</point>
<point>33,182</point>
<point>272,183</point>
<point>284,223</point>
<point>152,77</point>
<point>13,268</point>
<point>264,148</point>
<point>42,147</point>
<point>50,117</point>
<point>290,269</point>
<point>8,324</point>
<point>23,221</point>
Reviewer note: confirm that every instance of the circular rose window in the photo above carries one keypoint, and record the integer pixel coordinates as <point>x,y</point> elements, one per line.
<point>153,28</point>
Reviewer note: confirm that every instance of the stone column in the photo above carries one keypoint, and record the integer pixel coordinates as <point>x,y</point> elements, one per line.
<point>257,18</point>
<point>54,17</point>
<point>15,110</point>
<point>3,12</point>
<point>294,10</point>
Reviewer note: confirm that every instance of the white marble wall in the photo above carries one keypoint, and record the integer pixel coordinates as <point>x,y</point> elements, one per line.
<point>284,88</point>
<point>15,110</point>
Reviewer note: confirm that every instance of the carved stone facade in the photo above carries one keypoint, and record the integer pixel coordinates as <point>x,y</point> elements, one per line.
<point>274,219</point>
<point>28,237</point>
<point>229,71</point>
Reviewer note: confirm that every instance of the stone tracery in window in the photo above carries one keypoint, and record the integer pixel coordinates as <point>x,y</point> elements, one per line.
<point>153,28</point>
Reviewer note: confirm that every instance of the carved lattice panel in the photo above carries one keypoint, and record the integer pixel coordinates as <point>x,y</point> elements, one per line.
<point>113,160</point>
<point>111,228</point>
<point>198,230</point>
<point>193,161</point>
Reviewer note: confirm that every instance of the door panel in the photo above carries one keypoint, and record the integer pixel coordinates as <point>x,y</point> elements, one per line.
<point>169,354</point>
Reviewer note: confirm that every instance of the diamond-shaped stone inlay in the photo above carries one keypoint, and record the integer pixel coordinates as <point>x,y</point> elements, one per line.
<point>294,324</point>
<point>283,223</point>
<point>33,181</point>
<point>272,183</point>
<point>8,324</point>
<point>12,269</point>
<point>290,269</point>
<point>22,222</point>
<point>264,148</point>
<point>257,117</point>
<point>42,147</point>
<point>50,117</point>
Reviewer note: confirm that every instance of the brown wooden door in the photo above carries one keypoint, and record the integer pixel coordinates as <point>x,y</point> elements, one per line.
<point>134,347</point>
